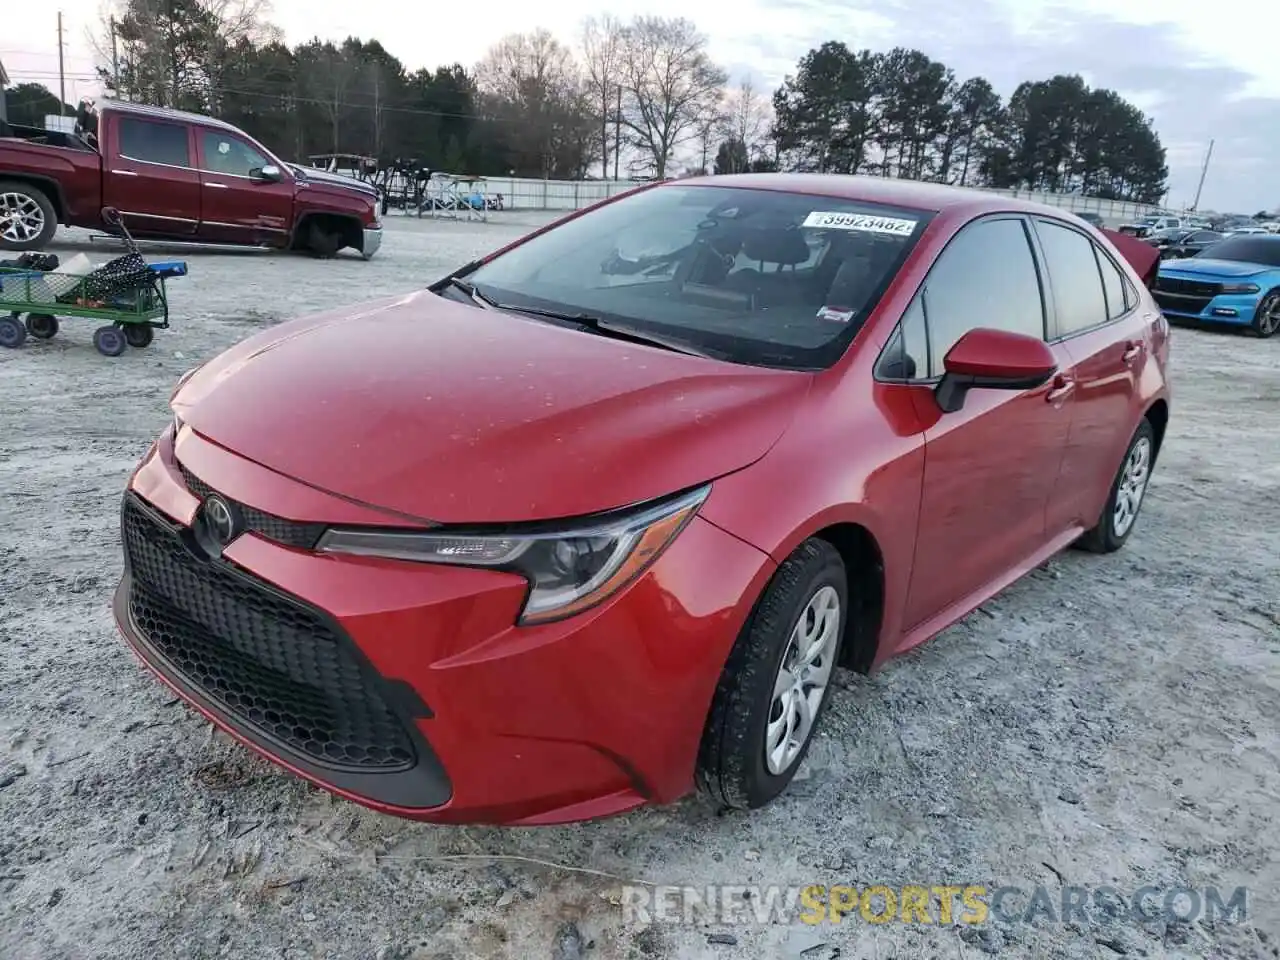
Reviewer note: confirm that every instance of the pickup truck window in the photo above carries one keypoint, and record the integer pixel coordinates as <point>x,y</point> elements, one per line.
<point>154,142</point>
<point>229,155</point>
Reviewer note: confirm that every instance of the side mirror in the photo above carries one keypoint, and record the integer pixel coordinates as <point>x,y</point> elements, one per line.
<point>995,360</point>
<point>269,173</point>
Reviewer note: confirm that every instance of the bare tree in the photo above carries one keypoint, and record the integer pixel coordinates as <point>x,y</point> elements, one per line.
<point>671,86</point>
<point>748,116</point>
<point>533,79</point>
<point>603,48</point>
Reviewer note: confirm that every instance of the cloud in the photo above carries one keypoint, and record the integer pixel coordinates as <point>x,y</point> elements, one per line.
<point>1189,96</point>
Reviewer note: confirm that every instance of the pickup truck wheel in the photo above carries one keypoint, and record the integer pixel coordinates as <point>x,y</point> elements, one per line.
<point>323,243</point>
<point>27,217</point>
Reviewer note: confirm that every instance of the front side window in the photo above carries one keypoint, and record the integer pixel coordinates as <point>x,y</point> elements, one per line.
<point>229,155</point>
<point>986,277</point>
<point>154,142</point>
<point>753,276</point>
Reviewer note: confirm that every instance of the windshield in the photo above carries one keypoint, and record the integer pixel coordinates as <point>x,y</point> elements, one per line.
<point>754,276</point>
<point>1262,249</point>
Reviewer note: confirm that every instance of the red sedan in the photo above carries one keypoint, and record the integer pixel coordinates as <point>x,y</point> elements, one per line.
<point>594,520</point>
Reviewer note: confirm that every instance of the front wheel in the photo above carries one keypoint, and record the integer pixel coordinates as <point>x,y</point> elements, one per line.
<point>1127,492</point>
<point>776,682</point>
<point>1266,319</point>
<point>110,341</point>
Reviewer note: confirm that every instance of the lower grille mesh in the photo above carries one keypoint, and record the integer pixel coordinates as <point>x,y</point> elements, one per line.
<point>268,661</point>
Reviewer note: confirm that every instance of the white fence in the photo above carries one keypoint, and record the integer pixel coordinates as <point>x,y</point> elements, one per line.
<point>526,194</point>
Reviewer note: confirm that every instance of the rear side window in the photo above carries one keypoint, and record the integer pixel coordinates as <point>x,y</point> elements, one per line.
<point>154,142</point>
<point>1118,298</point>
<point>1077,284</point>
<point>986,277</point>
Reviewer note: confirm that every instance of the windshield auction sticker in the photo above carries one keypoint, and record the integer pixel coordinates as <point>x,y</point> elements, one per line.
<point>862,222</point>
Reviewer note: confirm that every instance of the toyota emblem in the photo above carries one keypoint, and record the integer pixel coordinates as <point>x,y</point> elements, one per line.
<point>220,520</point>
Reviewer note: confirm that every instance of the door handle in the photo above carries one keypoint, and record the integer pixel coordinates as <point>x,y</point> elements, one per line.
<point>220,186</point>
<point>124,173</point>
<point>1061,389</point>
<point>1131,351</point>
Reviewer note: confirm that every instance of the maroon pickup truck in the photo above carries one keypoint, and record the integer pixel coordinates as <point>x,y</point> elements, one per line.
<point>176,176</point>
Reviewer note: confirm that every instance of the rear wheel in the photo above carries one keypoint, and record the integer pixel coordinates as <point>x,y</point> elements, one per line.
<point>138,334</point>
<point>1120,515</point>
<point>776,682</point>
<point>12,333</point>
<point>27,217</point>
<point>42,326</point>
<point>1266,319</point>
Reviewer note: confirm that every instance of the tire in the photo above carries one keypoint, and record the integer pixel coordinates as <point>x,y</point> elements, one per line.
<point>732,764</point>
<point>42,326</point>
<point>12,333</point>
<point>109,341</point>
<point>323,243</point>
<point>28,220</point>
<point>138,335</point>
<point>1110,533</point>
<point>1266,319</point>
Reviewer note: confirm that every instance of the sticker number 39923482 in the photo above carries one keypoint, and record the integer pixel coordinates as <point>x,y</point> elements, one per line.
<point>866,223</point>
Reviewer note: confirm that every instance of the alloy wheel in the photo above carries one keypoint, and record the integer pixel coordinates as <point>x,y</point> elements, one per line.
<point>1133,485</point>
<point>801,683</point>
<point>21,219</point>
<point>1269,319</point>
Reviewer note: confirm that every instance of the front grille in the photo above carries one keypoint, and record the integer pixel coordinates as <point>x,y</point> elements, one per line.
<point>268,661</point>
<point>290,533</point>
<point>1188,288</point>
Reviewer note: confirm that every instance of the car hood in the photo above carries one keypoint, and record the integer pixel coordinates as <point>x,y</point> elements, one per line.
<point>324,177</point>
<point>451,413</point>
<point>1203,266</point>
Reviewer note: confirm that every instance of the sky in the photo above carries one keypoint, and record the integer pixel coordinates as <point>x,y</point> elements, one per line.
<point>1202,71</point>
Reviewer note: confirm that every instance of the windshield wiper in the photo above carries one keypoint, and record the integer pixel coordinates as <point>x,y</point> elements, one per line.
<point>616,330</point>
<point>470,290</point>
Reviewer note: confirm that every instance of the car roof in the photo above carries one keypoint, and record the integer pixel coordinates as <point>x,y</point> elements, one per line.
<point>164,113</point>
<point>911,194</point>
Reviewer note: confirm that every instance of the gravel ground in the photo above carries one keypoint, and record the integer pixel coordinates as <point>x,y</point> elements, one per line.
<point>1105,721</point>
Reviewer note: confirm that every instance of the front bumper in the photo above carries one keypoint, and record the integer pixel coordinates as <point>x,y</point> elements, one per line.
<point>407,687</point>
<point>1191,303</point>
<point>371,242</point>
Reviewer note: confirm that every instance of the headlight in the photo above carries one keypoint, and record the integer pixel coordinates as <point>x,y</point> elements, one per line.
<point>1239,288</point>
<point>569,569</point>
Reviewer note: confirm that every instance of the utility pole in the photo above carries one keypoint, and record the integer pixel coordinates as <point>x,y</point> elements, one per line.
<point>1195,205</point>
<point>115,57</point>
<point>62,73</point>
<point>617,133</point>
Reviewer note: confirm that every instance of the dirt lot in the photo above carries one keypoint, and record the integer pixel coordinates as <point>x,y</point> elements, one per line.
<point>1105,721</point>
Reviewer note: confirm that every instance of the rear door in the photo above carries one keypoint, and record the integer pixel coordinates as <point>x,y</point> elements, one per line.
<point>149,175</point>
<point>239,205</point>
<point>1099,320</point>
<point>990,466</point>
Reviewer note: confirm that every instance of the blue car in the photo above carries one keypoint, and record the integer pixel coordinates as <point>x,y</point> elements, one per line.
<point>1236,280</point>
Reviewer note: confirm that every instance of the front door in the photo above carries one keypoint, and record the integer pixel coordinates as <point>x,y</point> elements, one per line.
<point>239,205</point>
<point>150,177</point>
<point>990,466</point>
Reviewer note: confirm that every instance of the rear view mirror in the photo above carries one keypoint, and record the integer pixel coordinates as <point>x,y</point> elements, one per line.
<point>993,359</point>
